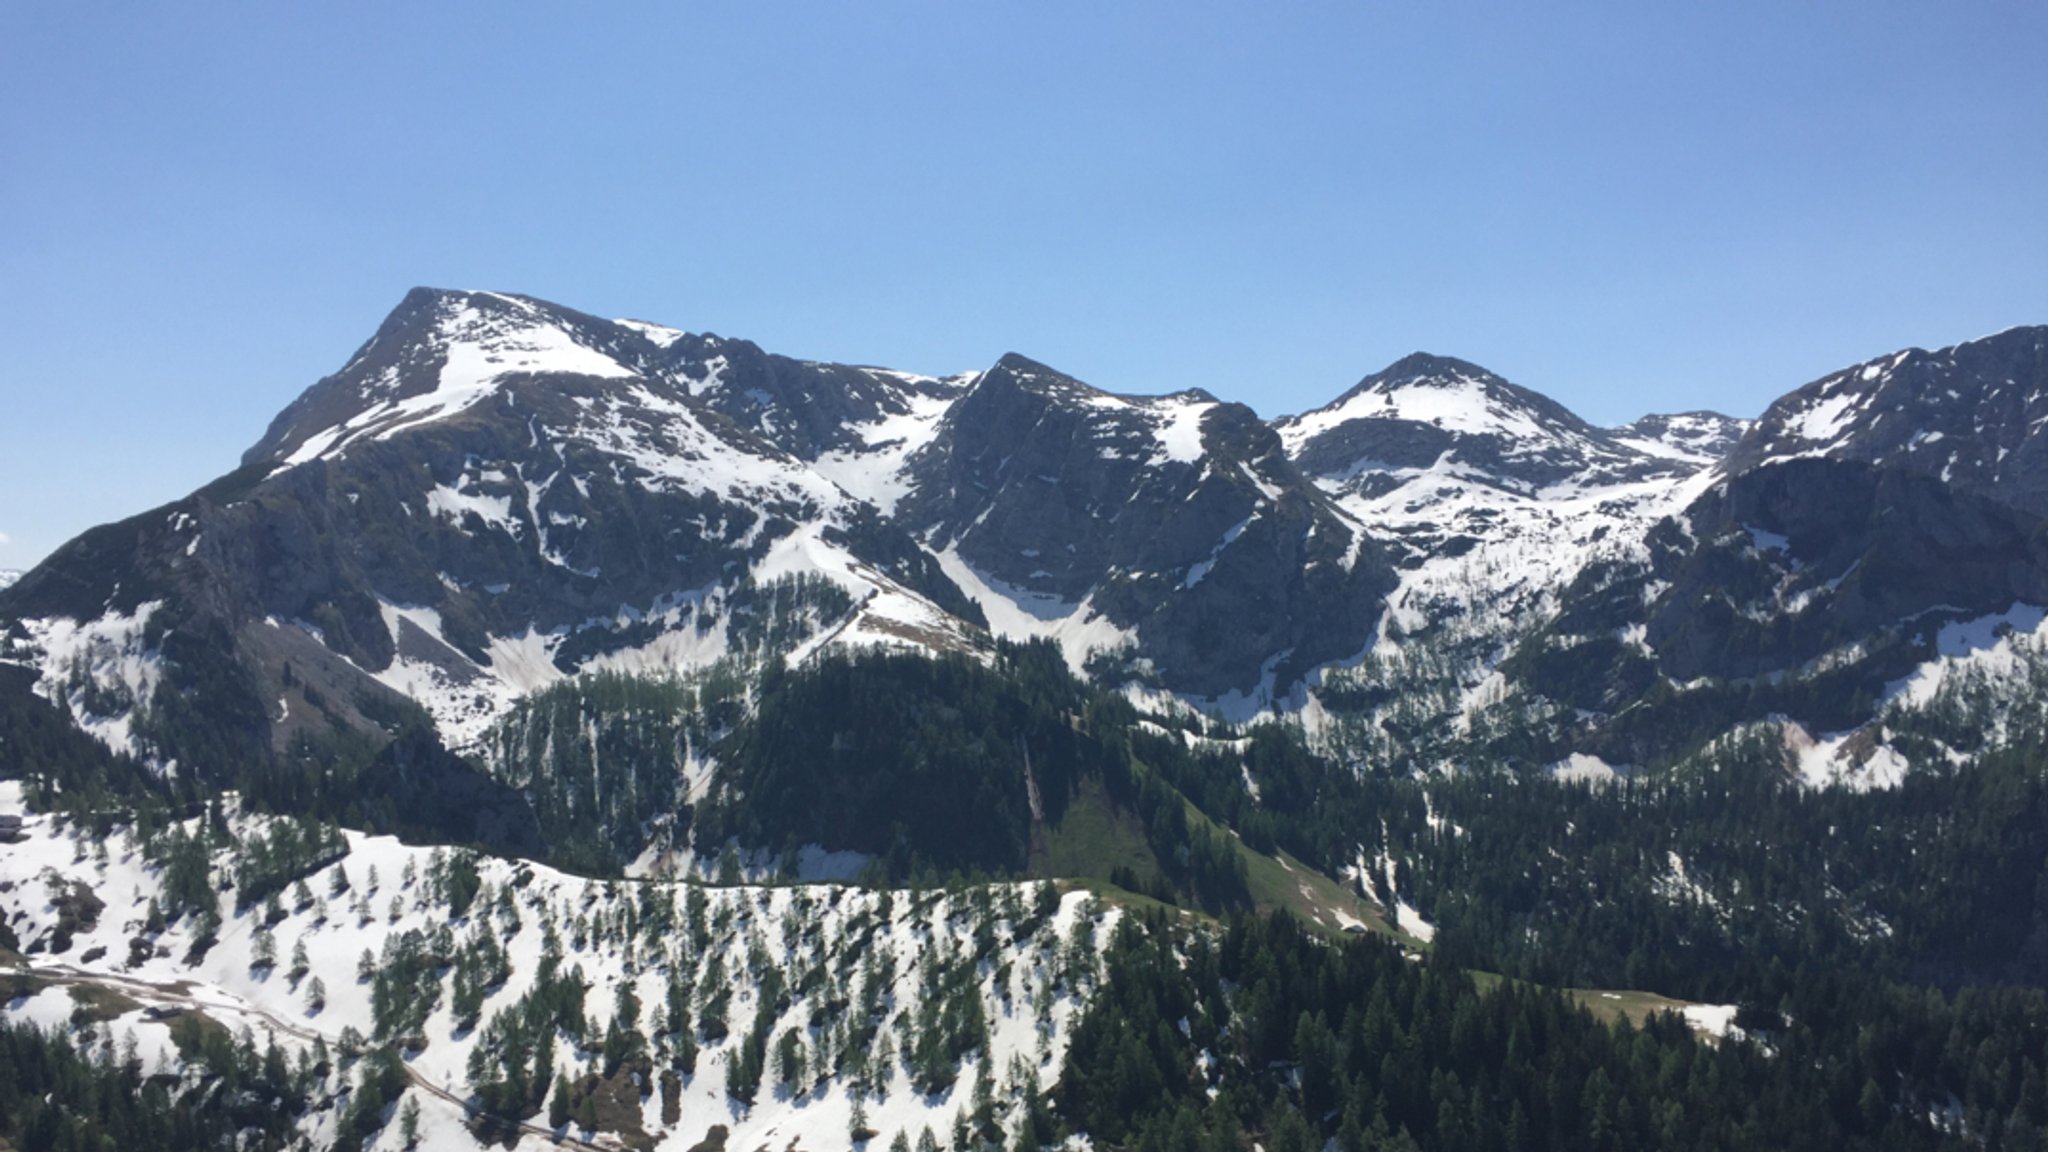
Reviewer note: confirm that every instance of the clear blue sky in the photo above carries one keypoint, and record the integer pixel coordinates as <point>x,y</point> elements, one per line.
<point>1628,206</point>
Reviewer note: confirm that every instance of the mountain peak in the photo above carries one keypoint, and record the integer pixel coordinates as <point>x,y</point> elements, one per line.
<point>1024,365</point>
<point>438,352</point>
<point>1424,368</point>
<point>1698,437</point>
<point>1051,381</point>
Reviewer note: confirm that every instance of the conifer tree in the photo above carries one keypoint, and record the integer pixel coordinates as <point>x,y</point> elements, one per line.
<point>558,1103</point>
<point>409,1122</point>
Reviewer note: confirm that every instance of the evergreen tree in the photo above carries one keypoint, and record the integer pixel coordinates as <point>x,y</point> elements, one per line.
<point>558,1104</point>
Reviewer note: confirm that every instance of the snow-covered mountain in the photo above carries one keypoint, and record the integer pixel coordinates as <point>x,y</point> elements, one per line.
<point>1423,409</point>
<point>9,576</point>
<point>1698,437</point>
<point>493,493</point>
<point>1493,495</point>
<point>496,493</point>
<point>1868,516</point>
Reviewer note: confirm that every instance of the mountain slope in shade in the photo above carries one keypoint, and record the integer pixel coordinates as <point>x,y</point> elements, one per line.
<point>1967,414</point>
<point>1865,516</point>
<point>1139,522</point>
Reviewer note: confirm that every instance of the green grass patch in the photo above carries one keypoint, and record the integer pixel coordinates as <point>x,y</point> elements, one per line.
<point>1093,839</point>
<point>97,1004</point>
<point>192,1031</point>
<point>1609,1005</point>
<point>1123,898</point>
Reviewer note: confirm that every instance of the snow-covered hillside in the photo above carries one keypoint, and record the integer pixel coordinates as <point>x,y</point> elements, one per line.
<point>845,1008</point>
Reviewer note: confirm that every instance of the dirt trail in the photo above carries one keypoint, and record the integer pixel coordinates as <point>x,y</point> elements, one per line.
<point>180,994</point>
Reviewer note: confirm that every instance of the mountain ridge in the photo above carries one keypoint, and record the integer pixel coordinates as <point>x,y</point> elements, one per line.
<point>494,492</point>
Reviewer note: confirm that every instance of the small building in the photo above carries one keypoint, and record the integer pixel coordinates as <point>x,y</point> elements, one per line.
<point>10,826</point>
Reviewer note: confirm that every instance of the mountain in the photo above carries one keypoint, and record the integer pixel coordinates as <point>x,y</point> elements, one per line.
<point>496,492</point>
<point>1423,409</point>
<point>1966,414</point>
<point>561,729</point>
<point>1463,466</point>
<point>1863,518</point>
<point>9,576</point>
<point>1493,499</point>
<point>1135,522</point>
<point>1698,437</point>
<point>493,493</point>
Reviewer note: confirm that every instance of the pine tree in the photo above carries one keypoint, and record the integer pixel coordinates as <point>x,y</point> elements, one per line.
<point>857,1128</point>
<point>789,1061</point>
<point>544,1057</point>
<point>409,1122</point>
<point>558,1104</point>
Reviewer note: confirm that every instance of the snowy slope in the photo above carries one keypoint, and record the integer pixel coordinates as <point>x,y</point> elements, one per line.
<point>1498,495</point>
<point>824,941</point>
<point>874,466</point>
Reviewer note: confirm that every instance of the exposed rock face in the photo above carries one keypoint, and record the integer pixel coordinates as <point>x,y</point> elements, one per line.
<point>1969,414</point>
<point>1809,556</point>
<point>1177,519</point>
<point>1879,499</point>
<point>495,492</point>
<point>1861,515</point>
